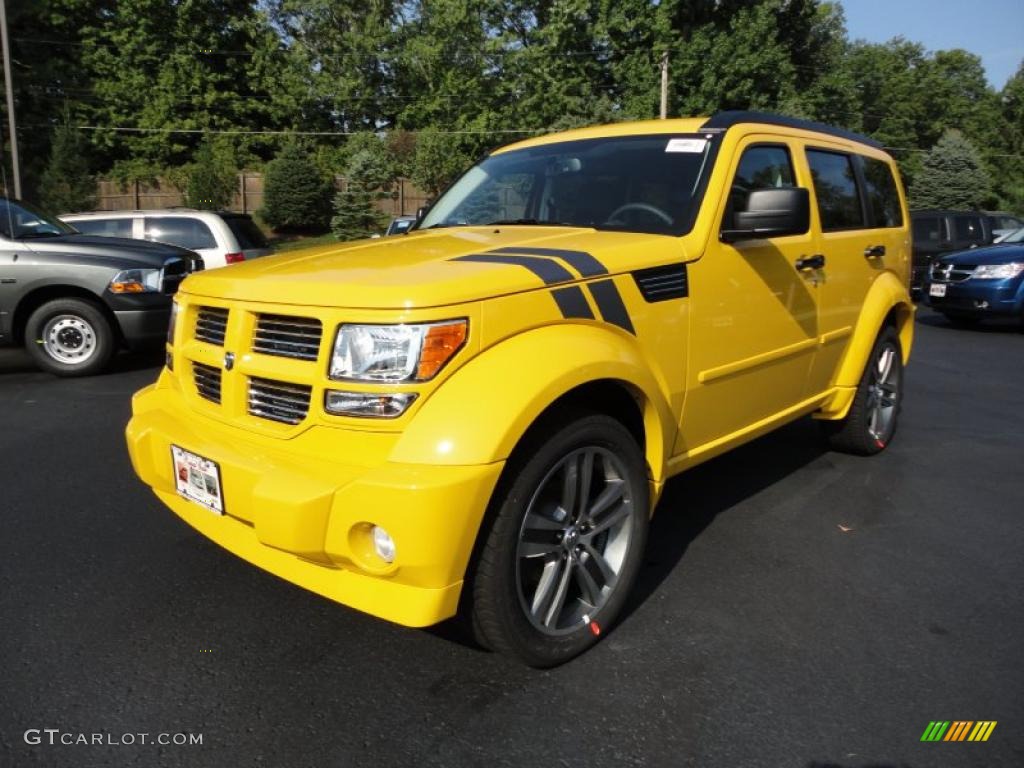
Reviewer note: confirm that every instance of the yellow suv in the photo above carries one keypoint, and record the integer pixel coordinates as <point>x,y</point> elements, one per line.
<point>479,416</point>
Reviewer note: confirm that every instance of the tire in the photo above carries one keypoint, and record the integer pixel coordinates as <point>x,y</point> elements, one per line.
<point>561,555</point>
<point>871,424</point>
<point>962,321</point>
<point>69,337</point>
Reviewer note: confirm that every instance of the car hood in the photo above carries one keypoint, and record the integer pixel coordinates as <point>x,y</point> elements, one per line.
<point>116,250</point>
<point>435,267</point>
<point>999,253</point>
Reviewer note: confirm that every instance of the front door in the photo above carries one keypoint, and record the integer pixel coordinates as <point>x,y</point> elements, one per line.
<point>754,328</point>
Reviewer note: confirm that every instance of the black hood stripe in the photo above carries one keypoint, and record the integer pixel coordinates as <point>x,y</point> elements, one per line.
<point>609,301</point>
<point>572,302</point>
<point>581,261</point>
<point>549,271</point>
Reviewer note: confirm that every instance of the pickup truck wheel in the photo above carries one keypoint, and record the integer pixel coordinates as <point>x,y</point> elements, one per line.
<point>871,423</point>
<point>69,337</point>
<point>565,544</point>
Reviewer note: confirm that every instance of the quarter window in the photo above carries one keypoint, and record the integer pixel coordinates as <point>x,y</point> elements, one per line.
<point>927,229</point>
<point>883,197</point>
<point>177,230</point>
<point>835,186</point>
<point>104,227</point>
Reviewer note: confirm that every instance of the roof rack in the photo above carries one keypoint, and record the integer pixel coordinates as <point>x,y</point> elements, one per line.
<point>725,120</point>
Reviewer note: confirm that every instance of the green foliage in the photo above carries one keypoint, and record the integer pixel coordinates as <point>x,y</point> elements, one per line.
<point>296,196</point>
<point>439,158</point>
<point>951,176</point>
<point>212,177</point>
<point>367,178</point>
<point>66,184</point>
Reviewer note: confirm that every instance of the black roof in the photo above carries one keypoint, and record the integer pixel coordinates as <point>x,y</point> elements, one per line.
<point>725,120</point>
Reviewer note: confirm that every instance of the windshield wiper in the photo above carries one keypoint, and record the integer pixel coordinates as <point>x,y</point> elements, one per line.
<point>510,222</point>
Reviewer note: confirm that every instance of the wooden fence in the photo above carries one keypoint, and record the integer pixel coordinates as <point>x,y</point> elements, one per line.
<point>402,199</point>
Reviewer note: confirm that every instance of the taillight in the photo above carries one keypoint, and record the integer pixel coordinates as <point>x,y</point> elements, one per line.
<point>234,258</point>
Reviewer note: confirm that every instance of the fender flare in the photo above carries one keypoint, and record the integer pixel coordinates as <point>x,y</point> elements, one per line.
<point>480,413</point>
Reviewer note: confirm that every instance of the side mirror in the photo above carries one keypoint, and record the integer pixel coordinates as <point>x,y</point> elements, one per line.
<point>771,213</point>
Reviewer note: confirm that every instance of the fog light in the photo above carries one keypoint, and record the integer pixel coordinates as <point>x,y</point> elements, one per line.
<point>383,544</point>
<point>367,404</point>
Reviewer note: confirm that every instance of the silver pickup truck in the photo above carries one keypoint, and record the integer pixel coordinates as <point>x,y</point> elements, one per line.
<point>73,300</point>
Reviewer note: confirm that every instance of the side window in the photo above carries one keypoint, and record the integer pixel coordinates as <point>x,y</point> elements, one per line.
<point>968,228</point>
<point>883,197</point>
<point>104,227</point>
<point>835,186</point>
<point>927,229</point>
<point>762,166</point>
<point>186,233</point>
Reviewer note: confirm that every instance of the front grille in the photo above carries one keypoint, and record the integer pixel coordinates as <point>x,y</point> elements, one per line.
<point>951,273</point>
<point>662,283</point>
<point>287,336</point>
<point>211,325</point>
<point>207,380</point>
<point>278,400</point>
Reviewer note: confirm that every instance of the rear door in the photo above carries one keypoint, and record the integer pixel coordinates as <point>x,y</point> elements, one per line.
<point>249,240</point>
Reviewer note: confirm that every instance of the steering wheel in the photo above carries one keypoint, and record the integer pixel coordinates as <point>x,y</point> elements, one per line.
<point>645,207</point>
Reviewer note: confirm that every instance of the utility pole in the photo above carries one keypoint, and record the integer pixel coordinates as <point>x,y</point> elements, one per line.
<point>665,84</point>
<point>15,165</point>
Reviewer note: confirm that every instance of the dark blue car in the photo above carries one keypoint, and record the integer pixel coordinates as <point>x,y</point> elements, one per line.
<point>983,282</point>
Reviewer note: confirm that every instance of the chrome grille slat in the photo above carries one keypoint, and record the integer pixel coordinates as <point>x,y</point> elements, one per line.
<point>207,381</point>
<point>951,273</point>
<point>278,400</point>
<point>288,336</point>
<point>212,325</point>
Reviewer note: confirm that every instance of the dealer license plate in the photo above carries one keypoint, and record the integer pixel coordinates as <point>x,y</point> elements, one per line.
<point>937,289</point>
<point>198,479</point>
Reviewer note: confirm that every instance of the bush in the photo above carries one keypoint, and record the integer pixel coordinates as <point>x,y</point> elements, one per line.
<point>296,196</point>
<point>66,184</point>
<point>212,178</point>
<point>951,176</point>
<point>367,180</point>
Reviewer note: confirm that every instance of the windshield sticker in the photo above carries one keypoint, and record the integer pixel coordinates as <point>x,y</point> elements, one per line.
<point>686,145</point>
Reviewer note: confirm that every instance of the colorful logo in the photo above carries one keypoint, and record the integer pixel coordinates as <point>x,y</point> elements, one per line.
<point>958,730</point>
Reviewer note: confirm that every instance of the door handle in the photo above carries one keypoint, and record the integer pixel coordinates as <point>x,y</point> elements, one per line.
<point>806,263</point>
<point>874,251</point>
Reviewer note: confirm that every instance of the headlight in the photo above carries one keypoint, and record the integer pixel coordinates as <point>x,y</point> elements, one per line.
<point>136,281</point>
<point>392,353</point>
<point>998,271</point>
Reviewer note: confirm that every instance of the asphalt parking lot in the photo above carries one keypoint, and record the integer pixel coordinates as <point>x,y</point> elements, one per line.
<point>797,608</point>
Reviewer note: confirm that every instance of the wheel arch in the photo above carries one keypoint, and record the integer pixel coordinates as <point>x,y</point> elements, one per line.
<point>38,296</point>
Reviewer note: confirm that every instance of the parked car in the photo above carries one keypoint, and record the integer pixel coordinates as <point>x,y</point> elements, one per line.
<point>1003,223</point>
<point>981,283</point>
<point>938,232</point>
<point>400,225</point>
<point>72,300</point>
<point>483,413</point>
<point>220,237</point>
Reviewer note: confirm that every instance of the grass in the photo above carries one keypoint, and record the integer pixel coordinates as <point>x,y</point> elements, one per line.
<point>282,243</point>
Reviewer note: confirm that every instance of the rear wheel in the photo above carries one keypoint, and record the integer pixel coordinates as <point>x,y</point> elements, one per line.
<point>565,543</point>
<point>69,337</point>
<point>871,423</point>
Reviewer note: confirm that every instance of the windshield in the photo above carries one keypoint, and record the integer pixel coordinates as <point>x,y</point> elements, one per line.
<point>21,221</point>
<point>632,183</point>
<point>1016,236</point>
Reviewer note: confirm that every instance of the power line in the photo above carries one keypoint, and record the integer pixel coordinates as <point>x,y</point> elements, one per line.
<point>242,132</point>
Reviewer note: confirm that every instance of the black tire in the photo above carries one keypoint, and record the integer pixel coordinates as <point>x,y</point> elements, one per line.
<point>962,321</point>
<point>70,337</point>
<point>543,634</point>
<point>862,431</point>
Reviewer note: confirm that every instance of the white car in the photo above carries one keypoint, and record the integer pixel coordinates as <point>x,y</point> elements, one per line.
<point>220,237</point>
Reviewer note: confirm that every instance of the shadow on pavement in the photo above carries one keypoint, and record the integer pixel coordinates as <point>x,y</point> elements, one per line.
<point>18,361</point>
<point>931,318</point>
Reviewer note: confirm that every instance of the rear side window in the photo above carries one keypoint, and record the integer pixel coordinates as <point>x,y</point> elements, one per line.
<point>927,229</point>
<point>835,187</point>
<point>104,227</point>
<point>968,228</point>
<point>246,232</point>
<point>883,197</point>
<point>762,166</point>
<point>185,233</point>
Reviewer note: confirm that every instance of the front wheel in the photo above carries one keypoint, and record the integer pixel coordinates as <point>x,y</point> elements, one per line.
<point>69,337</point>
<point>871,423</point>
<point>565,543</point>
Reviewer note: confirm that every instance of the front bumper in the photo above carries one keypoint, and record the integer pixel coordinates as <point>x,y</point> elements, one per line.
<point>302,508</point>
<point>979,297</point>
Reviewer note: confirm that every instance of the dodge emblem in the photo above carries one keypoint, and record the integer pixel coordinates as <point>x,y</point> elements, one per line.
<point>229,361</point>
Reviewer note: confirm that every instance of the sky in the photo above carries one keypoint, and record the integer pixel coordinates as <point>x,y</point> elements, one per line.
<point>993,29</point>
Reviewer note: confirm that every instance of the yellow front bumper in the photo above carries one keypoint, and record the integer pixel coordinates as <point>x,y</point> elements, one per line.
<point>303,508</point>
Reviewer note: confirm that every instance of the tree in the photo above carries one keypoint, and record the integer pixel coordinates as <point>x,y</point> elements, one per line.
<point>951,176</point>
<point>66,184</point>
<point>366,181</point>
<point>438,159</point>
<point>296,196</point>
<point>211,178</point>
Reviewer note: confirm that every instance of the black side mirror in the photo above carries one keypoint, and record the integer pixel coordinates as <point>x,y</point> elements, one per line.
<point>771,213</point>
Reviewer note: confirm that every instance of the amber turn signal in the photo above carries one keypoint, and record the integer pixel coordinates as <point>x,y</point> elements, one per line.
<point>439,344</point>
